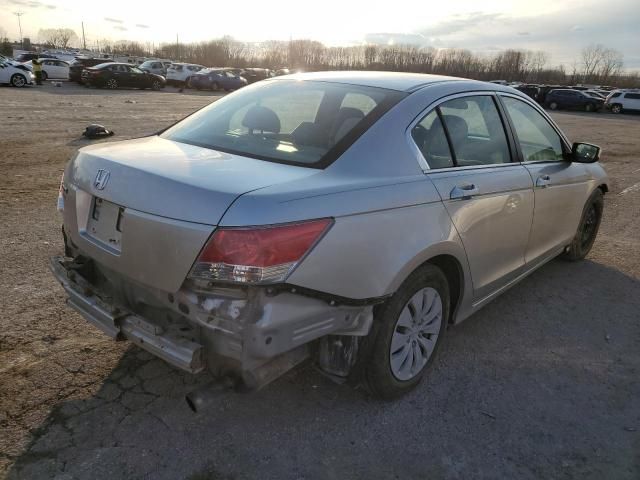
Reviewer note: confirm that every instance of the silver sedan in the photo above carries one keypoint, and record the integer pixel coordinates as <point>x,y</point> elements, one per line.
<point>346,217</point>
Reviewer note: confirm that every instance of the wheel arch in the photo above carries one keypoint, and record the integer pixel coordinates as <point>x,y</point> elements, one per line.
<point>451,260</point>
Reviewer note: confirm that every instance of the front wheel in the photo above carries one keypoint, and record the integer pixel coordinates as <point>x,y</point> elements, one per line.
<point>616,108</point>
<point>18,80</point>
<point>588,107</point>
<point>588,228</point>
<point>215,86</point>
<point>553,106</point>
<point>112,83</point>
<point>44,76</point>
<point>407,332</point>
<point>156,85</point>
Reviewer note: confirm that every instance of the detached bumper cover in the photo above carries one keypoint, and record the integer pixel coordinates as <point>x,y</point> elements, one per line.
<point>172,345</point>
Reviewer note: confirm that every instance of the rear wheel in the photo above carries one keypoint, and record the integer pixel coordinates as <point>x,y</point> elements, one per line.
<point>156,85</point>
<point>215,86</point>
<point>588,228</point>
<point>406,334</point>
<point>18,80</point>
<point>616,108</point>
<point>112,83</point>
<point>588,107</point>
<point>44,76</point>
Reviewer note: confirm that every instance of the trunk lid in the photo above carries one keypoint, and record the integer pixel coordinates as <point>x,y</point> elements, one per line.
<point>144,208</point>
<point>175,180</point>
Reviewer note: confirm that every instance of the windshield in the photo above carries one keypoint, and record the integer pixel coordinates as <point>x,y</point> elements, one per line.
<point>302,123</point>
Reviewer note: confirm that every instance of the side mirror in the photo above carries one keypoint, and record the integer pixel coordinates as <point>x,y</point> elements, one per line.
<point>585,153</point>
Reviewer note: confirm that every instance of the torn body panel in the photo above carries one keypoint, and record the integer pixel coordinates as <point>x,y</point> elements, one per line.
<point>242,332</point>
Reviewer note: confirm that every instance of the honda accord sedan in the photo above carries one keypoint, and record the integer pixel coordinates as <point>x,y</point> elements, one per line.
<point>346,217</point>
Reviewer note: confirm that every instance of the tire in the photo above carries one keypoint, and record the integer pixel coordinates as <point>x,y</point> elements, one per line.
<point>616,108</point>
<point>553,106</point>
<point>215,86</point>
<point>156,85</point>
<point>394,321</point>
<point>18,80</point>
<point>44,76</point>
<point>587,229</point>
<point>588,107</point>
<point>112,83</point>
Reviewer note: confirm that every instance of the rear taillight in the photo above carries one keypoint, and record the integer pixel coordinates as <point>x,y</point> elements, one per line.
<point>257,255</point>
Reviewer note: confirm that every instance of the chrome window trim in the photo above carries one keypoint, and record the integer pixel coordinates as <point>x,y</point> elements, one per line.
<point>424,165</point>
<point>552,124</point>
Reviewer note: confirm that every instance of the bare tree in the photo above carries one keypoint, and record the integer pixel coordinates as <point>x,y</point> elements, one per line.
<point>57,37</point>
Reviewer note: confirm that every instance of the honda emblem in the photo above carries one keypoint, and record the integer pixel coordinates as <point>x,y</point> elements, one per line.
<point>102,177</point>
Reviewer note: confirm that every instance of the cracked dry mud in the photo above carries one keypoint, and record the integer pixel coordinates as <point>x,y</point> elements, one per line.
<point>542,383</point>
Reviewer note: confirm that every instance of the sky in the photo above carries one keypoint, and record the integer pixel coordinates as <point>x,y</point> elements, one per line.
<point>559,27</point>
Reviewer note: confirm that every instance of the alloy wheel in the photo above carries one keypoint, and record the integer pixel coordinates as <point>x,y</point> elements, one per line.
<point>18,81</point>
<point>112,83</point>
<point>415,334</point>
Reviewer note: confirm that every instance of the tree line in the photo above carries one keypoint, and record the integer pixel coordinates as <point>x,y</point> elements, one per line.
<point>596,64</point>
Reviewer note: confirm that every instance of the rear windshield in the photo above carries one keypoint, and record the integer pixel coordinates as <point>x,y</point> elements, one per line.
<point>296,122</point>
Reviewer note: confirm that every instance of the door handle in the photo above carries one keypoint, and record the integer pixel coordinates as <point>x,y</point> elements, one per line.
<point>543,181</point>
<point>464,191</point>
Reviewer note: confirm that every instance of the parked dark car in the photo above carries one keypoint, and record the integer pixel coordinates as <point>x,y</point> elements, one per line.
<point>572,99</point>
<point>115,75</point>
<point>216,79</point>
<point>543,91</point>
<point>530,90</point>
<point>27,57</point>
<point>253,75</point>
<point>79,64</point>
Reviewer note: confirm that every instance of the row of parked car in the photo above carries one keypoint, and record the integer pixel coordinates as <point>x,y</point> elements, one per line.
<point>155,73</point>
<point>592,99</point>
<point>173,73</point>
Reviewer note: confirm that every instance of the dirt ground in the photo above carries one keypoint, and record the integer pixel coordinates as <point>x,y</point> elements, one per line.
<point>542,383</point>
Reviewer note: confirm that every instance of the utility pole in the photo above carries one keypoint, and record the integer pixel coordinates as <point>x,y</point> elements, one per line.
<point>84,41</point>
<point>19,14</point>
<point>177,48</point>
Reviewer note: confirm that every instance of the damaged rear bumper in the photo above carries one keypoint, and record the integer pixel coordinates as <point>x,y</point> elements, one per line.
<point>252,334</point>
<point>119,323</point>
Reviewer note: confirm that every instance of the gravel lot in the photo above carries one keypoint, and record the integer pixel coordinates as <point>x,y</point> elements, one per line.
<point>542,383</point>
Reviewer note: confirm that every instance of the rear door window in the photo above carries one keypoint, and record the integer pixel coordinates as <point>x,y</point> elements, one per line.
<point>475,131</point>
<point>430,138</point>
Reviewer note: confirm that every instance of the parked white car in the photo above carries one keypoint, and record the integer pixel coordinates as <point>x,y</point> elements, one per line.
<point>179,73</point>
<point>52,68</point>
<point>622,100</point>
<point>15,74</point>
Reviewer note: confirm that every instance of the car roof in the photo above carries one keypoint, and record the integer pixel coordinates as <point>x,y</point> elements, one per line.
<point>390,80</point>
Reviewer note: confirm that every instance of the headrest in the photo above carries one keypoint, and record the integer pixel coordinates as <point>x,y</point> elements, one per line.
<point>261,118</point>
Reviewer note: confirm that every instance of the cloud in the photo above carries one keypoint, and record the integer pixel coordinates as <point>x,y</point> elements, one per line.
<point>121,28</point>
<point>562,34</point>
<point>141,25</point>
<point>395,38</point>
<point>113,20</point>
<point>31,4</point>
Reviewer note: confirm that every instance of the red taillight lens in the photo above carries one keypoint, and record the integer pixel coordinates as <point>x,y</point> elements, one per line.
<point>257,255</point>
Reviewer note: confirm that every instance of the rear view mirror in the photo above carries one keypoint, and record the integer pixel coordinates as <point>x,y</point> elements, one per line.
<point>585,153</point>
